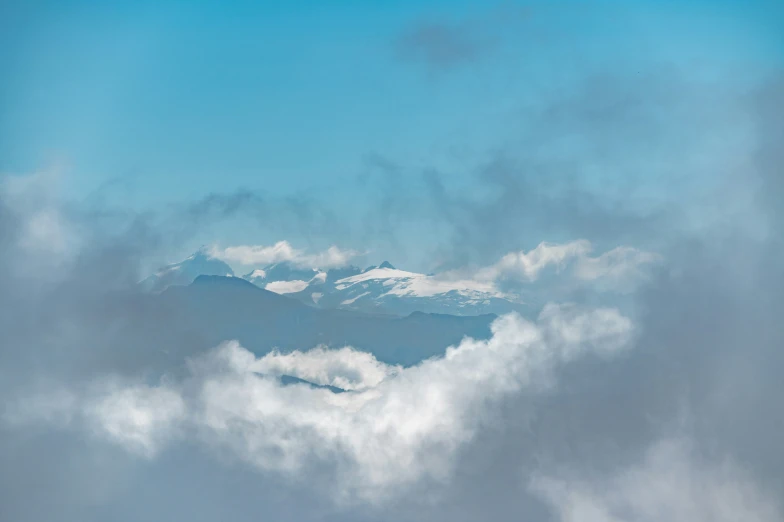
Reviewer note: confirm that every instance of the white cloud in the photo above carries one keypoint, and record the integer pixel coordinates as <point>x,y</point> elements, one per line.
<point>141,418</point>
<point>46,240</point>
<point>345,368</point>
<point>283,251</point>
<point>620,269</point>
<point>257,254</point>
<point>526,266</point>
<point>672,484</point>
<point>286,287</point>
<point>400,426</point>
<point>257,274</point>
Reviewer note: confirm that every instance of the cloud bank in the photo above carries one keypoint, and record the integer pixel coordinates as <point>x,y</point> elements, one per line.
<point>394,428</point>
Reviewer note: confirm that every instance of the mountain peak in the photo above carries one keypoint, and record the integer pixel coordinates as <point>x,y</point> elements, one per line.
<point>184,272</point>
<point>255,274</point>
<point>218,279</point>
<point>204,252</point>
<point>385,265</point>
<point>381,288</point>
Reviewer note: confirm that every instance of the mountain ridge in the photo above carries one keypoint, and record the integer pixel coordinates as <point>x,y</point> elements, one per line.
<point>216,309</point>
<point>378,289</point>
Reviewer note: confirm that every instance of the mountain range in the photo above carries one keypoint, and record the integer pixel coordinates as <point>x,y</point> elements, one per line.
<point>181,321</point>
<point>382,289</point>
<point>214,309</point>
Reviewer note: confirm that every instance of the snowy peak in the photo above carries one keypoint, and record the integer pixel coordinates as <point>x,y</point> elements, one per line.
<point>286,278</point>
<point>376,274</point>
<point>377,289</point>
<point>286,271</point>
<point>185,272</point>
<point>385,264</point>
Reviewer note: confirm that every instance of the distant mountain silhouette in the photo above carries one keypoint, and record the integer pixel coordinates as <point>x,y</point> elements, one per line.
<point>287,380</point>
<point>183,273</point>
<point>376,289</point>
<point>214,309</point>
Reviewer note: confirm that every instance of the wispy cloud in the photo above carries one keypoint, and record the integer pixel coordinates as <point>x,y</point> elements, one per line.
<point>621,269</point>
<point>444,44</point>
<point>672,483</point>
<point>526,266</point>
<point>281,251</point>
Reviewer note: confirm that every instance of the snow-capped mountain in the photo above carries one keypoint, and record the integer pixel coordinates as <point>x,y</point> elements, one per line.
<point>283,278</point>
<point>385,288</point>
<point>185,272</point>
<point>376,289</point>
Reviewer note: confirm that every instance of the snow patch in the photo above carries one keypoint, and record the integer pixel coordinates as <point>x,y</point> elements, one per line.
<point>286,287</point>
<point>351,301</point>
<point>403,283</point>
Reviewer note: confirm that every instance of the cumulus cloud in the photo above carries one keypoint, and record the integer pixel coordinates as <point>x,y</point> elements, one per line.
<point>346,368</point>
<point>621,268</point>
<point>396,426</point>
<point>333,257</point>
<point>672,483</point>
<point>528,265</point>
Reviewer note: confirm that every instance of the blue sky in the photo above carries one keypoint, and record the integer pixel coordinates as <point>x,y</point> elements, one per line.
<point>148,103</point>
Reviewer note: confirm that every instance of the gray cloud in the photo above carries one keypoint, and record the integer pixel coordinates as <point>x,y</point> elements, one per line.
<point>707,366</point>
<point>442,45</point>
<point>70,316</point>
<point>402,429</point>
<point>670,483</point>
<point>618,160</point>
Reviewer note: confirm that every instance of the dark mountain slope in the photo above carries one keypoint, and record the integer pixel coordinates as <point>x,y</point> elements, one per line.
<point>214,309</point>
